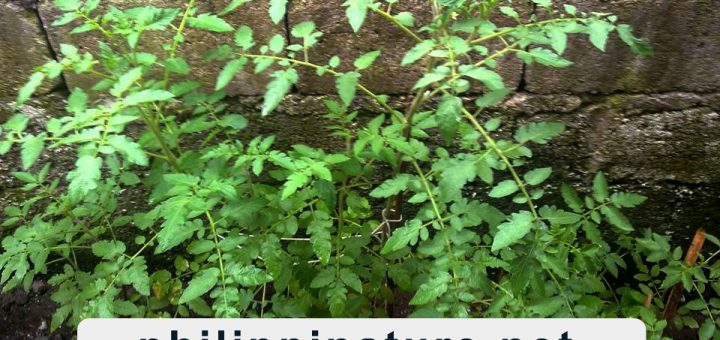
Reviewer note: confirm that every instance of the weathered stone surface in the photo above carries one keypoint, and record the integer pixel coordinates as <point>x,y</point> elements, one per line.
<point>526,103</point>
<point>683,34</point>
<point>386,76</point>
<point>196,45</point>
<point>22,46</point>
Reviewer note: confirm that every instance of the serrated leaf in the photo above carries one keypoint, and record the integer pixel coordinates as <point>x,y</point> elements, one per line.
<point>366,60</point>
<point>405,19</point>
<point>539,133</point>
<point>418,51</point>
<point>234,4</point>
<point>77,102</point>
<point>707,330</point>
<point>85,176</point>
<point>448,117</point>
<point>616,218</point>
<point>321,239</point>
<point>428,79</point>
<point>323,278</point>
<point>454,177</point>
<point>627,199</point>
<point>181,179</point>
<point>537,176</point>
<point>350,279</point>
<point>571,198</point>
<point>251,276</point>
<point>126,81</point>
<point>200,284</point>
<point>277,10</point>
<point>147,96</point>
<point>346,84</point>
<point>32,147</point>
<point>244,37</point>
<point>132,151</point>
<point>392,186</point>
<point>281,84</point>
<point>276,43</point>
<point>356,12</point>
<point>210,22</point>
<point>637,45</point>
<point>108,249</point>
<point>235,121</point>
<point>543,56</point>
<point>513,230</point>
<point>504,188</point>
<point>489,78</point>
<point>599,31</point>
<point>558,40</point>
<point>600,187</point>
<point>177,65</point>
<point>432,289</point>
<point>492,97</point>
<point>228,72</point>
<point>29,88</point>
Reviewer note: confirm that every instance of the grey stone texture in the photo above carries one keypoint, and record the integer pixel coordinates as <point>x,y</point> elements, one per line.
<point>23,45</point>
<point>652,124</point>
<point>194,49</point>
<point>685,36</point>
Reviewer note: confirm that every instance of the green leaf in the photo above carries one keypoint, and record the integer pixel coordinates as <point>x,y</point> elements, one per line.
<point>515,229</point>
<point>616,218</point>
<point>627,199</point>
<point>405,19</point>
<point>707,330</point>
<point>146,96</point>
<point>402,236</point>
<point>108,250</point>
<point>600,187</point>
<point>428,79</point>
<point>432,289</point>
<point>454,177</point>
<point>598,31</point>
<point>537,176</point>
<point>126,81</point>
<point>448,117</point>
<point>32,147</point>
<point>492,97</point>
<point>356,12</point>
<point>200,284</point>
<point>234,4</point>
<point>571,198</point>
<point>570,9</point>
<point>251,276</point>
<point>210,22</point>
<point>392,186</point>
<point>321,239</point>
<point>86,175</point>
<point>637,45</point>
<point>543,3</point>
<point>323,278</point>
<point>491,79</point>
<point>29,88</point>
<point>558,40</point>
<point>17,122</point>
<point>228,72</point>
<point>346,84</point>
<point>77,102</point>
<point>277,10</point>
<point>366,60</point>
<point>543,56</point>
<point>539,133</point>
<point>276,43</point>
<point>510,12</point>
<point>132,151</point>
<point>350,279</point>
<point>504,188</point>
<point>278,88</point>
<point>234,121</point>
<point>418,51</point>
<point>244,37</point>
<point>303,29</point>
<point>177,65</point>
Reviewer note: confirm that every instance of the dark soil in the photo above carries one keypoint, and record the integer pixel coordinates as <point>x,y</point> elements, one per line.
<point>27,315</point>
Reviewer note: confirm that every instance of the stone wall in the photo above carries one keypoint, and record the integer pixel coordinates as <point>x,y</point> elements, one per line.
<point>652,124</point>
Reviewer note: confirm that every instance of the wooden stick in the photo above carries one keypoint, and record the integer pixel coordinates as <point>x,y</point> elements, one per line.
<point>673,300</point>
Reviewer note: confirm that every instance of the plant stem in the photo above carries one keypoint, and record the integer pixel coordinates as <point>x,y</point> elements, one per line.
<point>392,19</point>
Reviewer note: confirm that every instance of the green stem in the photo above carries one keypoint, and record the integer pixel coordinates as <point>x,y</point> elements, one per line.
<point>510,30</point>
<point>394,21</point>
<point>177,39</point>
<point>219,254</point>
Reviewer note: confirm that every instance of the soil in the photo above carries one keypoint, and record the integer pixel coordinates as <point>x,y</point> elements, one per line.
<point>27,315</point>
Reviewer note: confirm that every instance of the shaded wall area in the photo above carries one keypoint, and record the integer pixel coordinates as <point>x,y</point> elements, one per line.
<point>651,123</point>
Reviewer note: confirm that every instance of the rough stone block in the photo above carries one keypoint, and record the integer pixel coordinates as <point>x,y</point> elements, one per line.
<point>22,47</point>
<point>386,76</point>
<point>196,45</point>
<point>683,34</point>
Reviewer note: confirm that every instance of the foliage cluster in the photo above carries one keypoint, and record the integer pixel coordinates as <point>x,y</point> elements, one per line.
<point>239,228</point>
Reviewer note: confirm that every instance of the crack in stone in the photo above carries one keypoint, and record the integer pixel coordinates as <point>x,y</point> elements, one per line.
<point>62,85</point>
